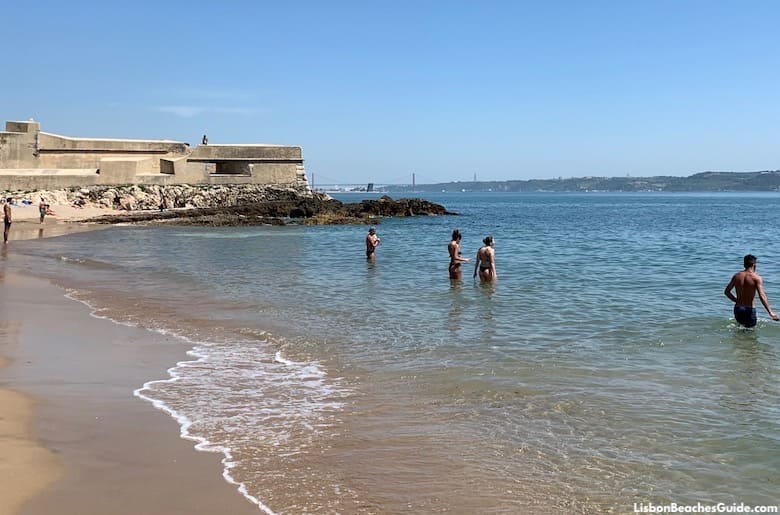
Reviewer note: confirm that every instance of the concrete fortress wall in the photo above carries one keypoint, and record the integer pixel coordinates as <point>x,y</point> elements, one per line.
<point>31,159</point>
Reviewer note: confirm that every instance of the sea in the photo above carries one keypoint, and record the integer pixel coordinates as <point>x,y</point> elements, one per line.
<point>602,373</point>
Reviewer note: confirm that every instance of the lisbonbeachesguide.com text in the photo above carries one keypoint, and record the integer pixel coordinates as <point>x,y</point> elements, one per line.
<point>703,508</point>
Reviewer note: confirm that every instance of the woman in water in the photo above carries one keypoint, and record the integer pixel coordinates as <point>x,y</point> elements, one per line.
<point>486,261</point>
<point>455,259</point>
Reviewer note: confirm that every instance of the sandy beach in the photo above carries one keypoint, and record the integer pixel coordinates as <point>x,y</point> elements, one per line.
<point>26,221</point>
<point>74,438</point>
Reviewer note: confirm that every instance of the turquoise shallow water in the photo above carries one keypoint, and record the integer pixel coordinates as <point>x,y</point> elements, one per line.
<point>603,369</point>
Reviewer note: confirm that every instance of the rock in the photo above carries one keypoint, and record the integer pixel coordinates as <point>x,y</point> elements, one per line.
<point>247,204</point>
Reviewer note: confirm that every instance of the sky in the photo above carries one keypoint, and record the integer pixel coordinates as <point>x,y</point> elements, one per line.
<point>375,91</point>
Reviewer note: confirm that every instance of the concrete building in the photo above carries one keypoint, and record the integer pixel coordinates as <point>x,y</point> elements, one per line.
<point>34,160</point>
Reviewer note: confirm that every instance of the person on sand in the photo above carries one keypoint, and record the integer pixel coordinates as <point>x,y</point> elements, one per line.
<point>372,242</point>
<point>747,283</point>
<point>485,262</point>
<point>455,259</point>
<point>7,219</point>
<point>43,208</point>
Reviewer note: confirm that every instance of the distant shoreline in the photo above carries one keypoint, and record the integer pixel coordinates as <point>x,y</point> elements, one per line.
<point>704,182</point>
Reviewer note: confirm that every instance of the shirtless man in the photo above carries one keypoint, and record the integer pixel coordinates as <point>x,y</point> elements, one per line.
<point>372,242</point>
<point>455,259</point>
<point>486,261</point>
<point>43,208</point>
<point>6,219</point>
<point>747,283</point>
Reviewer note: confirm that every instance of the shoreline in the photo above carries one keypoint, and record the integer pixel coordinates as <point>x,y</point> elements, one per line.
<point>75,437</point>
<point>26,221</point>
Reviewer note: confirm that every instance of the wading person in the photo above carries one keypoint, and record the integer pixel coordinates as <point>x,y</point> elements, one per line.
<point>485,263</point>
<point>372,242</point>
<point>455,260</point>
<point>6,219</point>
<point>42,208</point>
<point>747,283</point>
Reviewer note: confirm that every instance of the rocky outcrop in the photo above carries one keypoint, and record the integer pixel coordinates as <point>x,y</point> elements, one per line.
<point>386,206</point>
<point>243,205</point>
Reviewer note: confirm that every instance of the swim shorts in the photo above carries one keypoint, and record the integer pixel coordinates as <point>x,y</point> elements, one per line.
<point>6,222</point>
<point>745,315</point>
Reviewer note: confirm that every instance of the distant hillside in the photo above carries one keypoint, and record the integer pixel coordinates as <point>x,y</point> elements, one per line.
<point>705,181</point>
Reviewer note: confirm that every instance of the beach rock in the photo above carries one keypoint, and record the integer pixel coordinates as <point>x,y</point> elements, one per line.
<point>278,208</point>
<point>248,204</point>
<point>386,206</point>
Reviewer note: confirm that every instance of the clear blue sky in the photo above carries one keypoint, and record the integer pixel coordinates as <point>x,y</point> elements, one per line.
<point>377,90</point>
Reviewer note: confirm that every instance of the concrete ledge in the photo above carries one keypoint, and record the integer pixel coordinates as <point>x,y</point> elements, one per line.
<point>31,172</point>
<point>122,170</point>
<point>48,179</point>
<point>245,160</point>
<point>28,126</point>
<point>245,153</point>
<point>55,143</point>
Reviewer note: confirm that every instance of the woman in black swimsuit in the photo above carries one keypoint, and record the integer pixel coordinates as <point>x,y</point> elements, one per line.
<point>455,259</point>
<point>486,261</point>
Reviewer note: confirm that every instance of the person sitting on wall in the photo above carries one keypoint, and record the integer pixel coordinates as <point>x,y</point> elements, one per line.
<point>205,140</point>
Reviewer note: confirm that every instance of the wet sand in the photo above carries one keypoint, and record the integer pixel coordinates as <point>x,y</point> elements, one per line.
<point>26,221</point>
<point>73,437</point>
<point>27,467</point>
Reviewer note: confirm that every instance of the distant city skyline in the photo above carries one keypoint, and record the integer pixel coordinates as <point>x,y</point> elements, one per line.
<point>377,91</point>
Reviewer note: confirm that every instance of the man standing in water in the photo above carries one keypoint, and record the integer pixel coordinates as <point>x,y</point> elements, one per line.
<point>6,219</point>
<point>372,242</point>
<point>747,284</point>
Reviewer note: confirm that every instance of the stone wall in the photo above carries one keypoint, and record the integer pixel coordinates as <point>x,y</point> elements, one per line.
<point>31,159</point>
<point>19,145</point>
<point>262,153</point>
<point>56,151</point>
<point>33,179</point>
<point>154,197</point>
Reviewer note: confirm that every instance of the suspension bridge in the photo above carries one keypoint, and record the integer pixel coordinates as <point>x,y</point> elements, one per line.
<point>320,182</point>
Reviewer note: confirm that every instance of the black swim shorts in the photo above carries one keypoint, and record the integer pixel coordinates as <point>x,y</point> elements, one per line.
<point>745,315</point>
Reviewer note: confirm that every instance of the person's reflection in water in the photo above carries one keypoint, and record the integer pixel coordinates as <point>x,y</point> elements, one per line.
<point>485,311</point>
<point>3,261</point>
<point>746,385</point>
<point>371,270</point>
<point>457,307</point>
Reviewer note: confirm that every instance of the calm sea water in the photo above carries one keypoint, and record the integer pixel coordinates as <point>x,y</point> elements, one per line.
<point>603,369</point>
